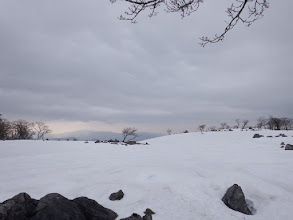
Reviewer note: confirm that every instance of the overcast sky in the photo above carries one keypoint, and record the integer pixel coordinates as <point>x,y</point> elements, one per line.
<point>73,64</point>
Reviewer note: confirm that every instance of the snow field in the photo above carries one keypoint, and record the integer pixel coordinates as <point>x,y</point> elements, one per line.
<point>181,176</point>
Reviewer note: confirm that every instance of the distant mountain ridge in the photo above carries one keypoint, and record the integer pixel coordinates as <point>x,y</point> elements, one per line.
<point>99,135</point>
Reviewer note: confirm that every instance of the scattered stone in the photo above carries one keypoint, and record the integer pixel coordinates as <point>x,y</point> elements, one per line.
<point>97,141</point>
<point>235,199</point>
<point>257,136</point>
<point>149,212</point>
<point>116,196</point>
<point>282,135</point>
<point>53,206</point>
<point>86,142</point>
<point>134,216</point>
<point>270,136</point>
<point>289,147</point>
<point>282,143</point>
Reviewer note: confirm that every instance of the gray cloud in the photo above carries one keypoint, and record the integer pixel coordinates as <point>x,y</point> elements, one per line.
<point>74,60</point>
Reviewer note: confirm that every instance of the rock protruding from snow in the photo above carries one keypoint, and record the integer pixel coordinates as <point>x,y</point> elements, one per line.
<point>234,198</point>
<point>147,217</point>
<point>149,212</point>
<point>289,147</point>
<point>134,216</point>
<point>21,206</point>
<point>282,143</point>
<point>117,195</point>
<point>93,210</point>
<point>53,206</point>
<point>257,136</point>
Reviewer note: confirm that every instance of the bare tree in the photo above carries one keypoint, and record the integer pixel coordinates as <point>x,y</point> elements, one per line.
<point>286,123</point>
<point>244,123</point>
<point>22,130</point>
<point>261,122</point>
<point>237,122</point>
<point>5,128</point>
<point>169,131</point>
<point>224,125</point>
<point>129,132</point>
<point>245,11</point>
<point>41,129</point>
<point>201,127</point>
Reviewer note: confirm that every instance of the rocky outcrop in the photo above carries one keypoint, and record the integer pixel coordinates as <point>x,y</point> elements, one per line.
<point>53,206</point>
<point>234,198</point>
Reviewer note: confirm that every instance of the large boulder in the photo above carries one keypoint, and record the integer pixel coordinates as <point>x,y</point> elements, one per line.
<point>93,210</point>
<point>53,207</point>
<point>20,207</point>
<point>234,198</point>
<point>289,147</point>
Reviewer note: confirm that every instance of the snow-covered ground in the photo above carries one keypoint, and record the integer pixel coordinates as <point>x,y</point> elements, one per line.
<point>180,176</point>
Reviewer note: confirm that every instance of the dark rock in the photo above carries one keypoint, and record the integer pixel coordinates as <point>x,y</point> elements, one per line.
<point>147,217</point>
<point>20,207</point>
<point>134,216</point>
<point>97,141</point>
<point>269,136</point>
<point>116,196</point>
<point>257,136</point>
<point>55,206</point>
<point>149,212</point>
<point>282,143</point>
<point>289,147</point>
<point>93,210</point>
<point>235,199</point>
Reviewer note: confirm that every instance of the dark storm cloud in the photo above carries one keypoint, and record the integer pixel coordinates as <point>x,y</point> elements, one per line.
<point>74,60</point>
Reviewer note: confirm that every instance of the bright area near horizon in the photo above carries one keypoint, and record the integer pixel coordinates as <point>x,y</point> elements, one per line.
<point>181,176</point>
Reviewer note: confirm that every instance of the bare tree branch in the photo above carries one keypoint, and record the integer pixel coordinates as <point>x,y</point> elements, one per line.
<point>245,11</point>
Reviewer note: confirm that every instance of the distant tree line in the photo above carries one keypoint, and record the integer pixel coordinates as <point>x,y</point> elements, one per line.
<point>270,122</point>
<point>22,130</point>
<point>275,123</point>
